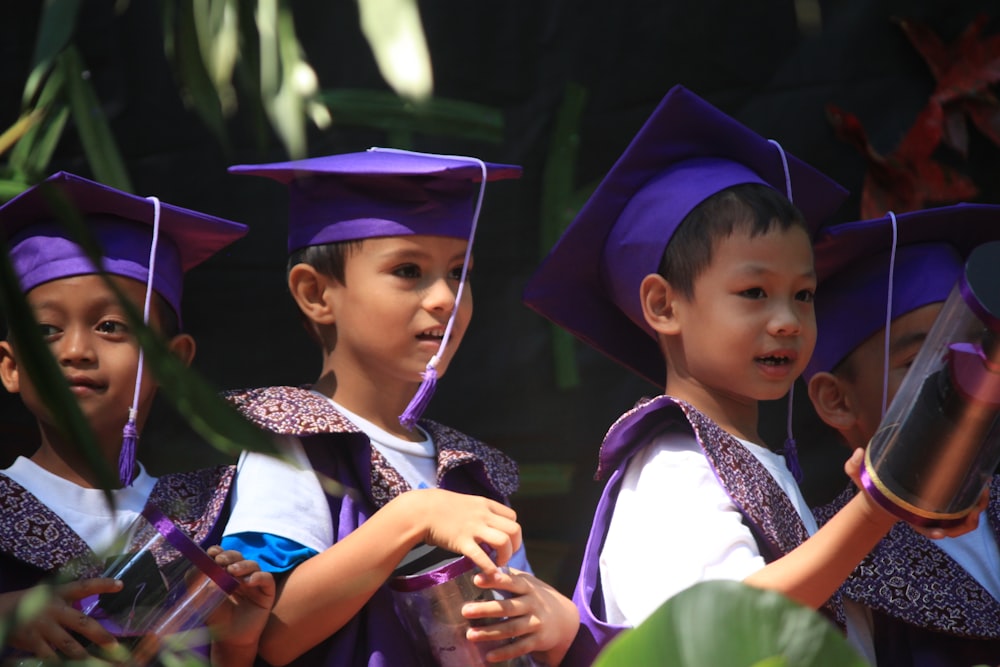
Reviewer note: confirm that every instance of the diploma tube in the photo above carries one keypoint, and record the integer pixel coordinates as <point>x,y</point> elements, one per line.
<point>938,444</point>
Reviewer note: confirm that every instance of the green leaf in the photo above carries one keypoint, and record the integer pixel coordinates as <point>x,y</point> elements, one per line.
<point>387,111</point>
<point>54,32</point>
<point>759,627</point>
<point>198,89</point>
<point>396,37</point>
<point>31,155</point>
<point>11,188</point>
<point>95,135</point>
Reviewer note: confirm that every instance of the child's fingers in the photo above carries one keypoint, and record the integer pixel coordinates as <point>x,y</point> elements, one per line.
<point>83,625</point>
<point>77,590</point>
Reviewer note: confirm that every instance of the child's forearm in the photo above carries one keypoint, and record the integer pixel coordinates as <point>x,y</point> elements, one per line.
<point>322,594</point>
<point>812,572</point>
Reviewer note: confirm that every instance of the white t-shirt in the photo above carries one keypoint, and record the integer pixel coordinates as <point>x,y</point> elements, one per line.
<point>674,525</point>
<point>85,510</point>
<point>415,461</point>
<point>278,497</point>
<point>977,553</point>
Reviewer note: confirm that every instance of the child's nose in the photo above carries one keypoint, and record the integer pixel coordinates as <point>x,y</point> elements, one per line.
<point>75,347</point>
<point>440,296</point>
<point>786,321</point>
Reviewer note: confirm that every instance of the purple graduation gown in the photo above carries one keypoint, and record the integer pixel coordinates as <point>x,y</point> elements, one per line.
<point>766,509</point>
<point>375,637</point>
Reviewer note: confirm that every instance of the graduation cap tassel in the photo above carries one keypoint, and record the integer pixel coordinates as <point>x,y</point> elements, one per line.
<point>126,459</point>
<point>423,396</point>
<point>130,434</point>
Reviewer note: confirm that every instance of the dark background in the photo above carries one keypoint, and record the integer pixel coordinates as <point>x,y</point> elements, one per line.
<point>772,64</point>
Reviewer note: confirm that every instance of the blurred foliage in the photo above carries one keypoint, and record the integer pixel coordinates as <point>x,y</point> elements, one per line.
<point>561,201</point>
<point>730,623</point>
<point>223,53</point>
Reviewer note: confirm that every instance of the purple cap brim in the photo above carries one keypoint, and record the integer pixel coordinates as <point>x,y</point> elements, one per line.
<point>687,151</point>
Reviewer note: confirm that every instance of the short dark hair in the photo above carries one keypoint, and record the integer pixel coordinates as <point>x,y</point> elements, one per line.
<point>751,207</point>
<point>328,258</point>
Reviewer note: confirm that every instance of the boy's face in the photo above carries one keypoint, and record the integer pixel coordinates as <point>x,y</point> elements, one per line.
<point>749,328</point>
<point>860,374</point>
<point>89,336</point>
<point>393,307</point>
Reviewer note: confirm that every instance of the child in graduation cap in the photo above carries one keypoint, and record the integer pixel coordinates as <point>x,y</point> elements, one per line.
<point>930,602</point>
<point>691,266</point>
<point>56,519</point>
<point>380,250</point>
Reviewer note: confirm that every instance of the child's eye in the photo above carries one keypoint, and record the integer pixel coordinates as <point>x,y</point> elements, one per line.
<point>407,271</point>
<point>48,331</point>
<point>806,296</point>
<point>456,273</point>
<point>754,293</point>
<point>112,327</point>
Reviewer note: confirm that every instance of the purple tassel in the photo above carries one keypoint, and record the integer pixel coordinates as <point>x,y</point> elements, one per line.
<point>126,459</point>
<point>792,459</point>
<point>421,399</point>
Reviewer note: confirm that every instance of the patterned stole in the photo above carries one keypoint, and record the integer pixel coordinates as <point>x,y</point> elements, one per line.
<point>909,578</point>
<point>32,533</point>
<point>296,411</point>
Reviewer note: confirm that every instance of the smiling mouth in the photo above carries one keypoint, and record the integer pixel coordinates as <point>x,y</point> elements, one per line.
<point>83,383</point>
<point>432,335</point>
<point>774,360</point>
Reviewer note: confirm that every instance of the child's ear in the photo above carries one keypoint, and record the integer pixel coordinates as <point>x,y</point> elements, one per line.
<point>183,347</point>
<point>830,398</point>
<point>309,288</point>
<point>9,368</point>
<point>658,304</point>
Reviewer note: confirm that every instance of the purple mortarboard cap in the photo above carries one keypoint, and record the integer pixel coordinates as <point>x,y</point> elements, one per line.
<point>42,248</point>
<point>852,266</point>
<point>686,152</point>
<point>379,192</point>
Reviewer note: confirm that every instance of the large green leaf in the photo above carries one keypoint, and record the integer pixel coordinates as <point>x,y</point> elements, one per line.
<point>730,624</point>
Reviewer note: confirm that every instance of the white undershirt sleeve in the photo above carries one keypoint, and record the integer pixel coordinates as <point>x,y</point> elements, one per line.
<point>673,526</point>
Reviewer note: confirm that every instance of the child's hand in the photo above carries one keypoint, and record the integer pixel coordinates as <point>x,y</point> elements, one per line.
<point>969,522</point>
<point>539,619</point>
<point>239,622</point>
<point>462,523</point>
<point>47,635</point>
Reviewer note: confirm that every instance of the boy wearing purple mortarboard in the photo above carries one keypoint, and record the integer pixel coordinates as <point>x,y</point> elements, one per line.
<point>56,519</point>
<point>380,245</point>
<point>690,266</point>
<point>930,603</point>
